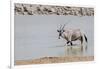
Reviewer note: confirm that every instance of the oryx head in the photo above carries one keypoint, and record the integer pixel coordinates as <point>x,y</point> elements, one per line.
<point>61,30</point>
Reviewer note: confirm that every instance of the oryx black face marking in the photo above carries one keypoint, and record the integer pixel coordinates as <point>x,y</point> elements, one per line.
<point>60,33</point>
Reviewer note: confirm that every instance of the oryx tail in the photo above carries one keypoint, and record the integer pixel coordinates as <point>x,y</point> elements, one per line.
<point>85,38</point>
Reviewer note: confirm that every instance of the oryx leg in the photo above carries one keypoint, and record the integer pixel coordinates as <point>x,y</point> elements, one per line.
<point>86,41</point>
<point>84,38</point>
<point>70,43</point>
<point>70,39</point>
<point>65,44</point>
<point>81,39</point>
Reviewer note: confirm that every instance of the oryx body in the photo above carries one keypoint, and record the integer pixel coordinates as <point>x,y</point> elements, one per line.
<point>70,35</point>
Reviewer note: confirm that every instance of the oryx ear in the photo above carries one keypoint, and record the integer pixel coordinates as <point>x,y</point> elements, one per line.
<point>57,30</point>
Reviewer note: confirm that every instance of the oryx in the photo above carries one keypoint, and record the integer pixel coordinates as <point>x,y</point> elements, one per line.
<point>72,35</point>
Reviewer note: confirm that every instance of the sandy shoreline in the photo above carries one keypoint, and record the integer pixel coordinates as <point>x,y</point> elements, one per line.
<point>46,60</point>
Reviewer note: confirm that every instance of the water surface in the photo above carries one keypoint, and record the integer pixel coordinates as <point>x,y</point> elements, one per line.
<point>37,36</point>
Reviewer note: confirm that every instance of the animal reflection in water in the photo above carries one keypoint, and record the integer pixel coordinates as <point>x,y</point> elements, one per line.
<point>72,35</point>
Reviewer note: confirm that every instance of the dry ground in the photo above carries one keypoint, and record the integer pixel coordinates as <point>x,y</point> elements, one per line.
<point>46,60</point>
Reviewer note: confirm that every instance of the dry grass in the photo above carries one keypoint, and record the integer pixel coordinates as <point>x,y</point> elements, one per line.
<point>46,60</point>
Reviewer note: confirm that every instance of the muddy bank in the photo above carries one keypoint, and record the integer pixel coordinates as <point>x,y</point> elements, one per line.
<point>33,9</point>
<point>46,60</point>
